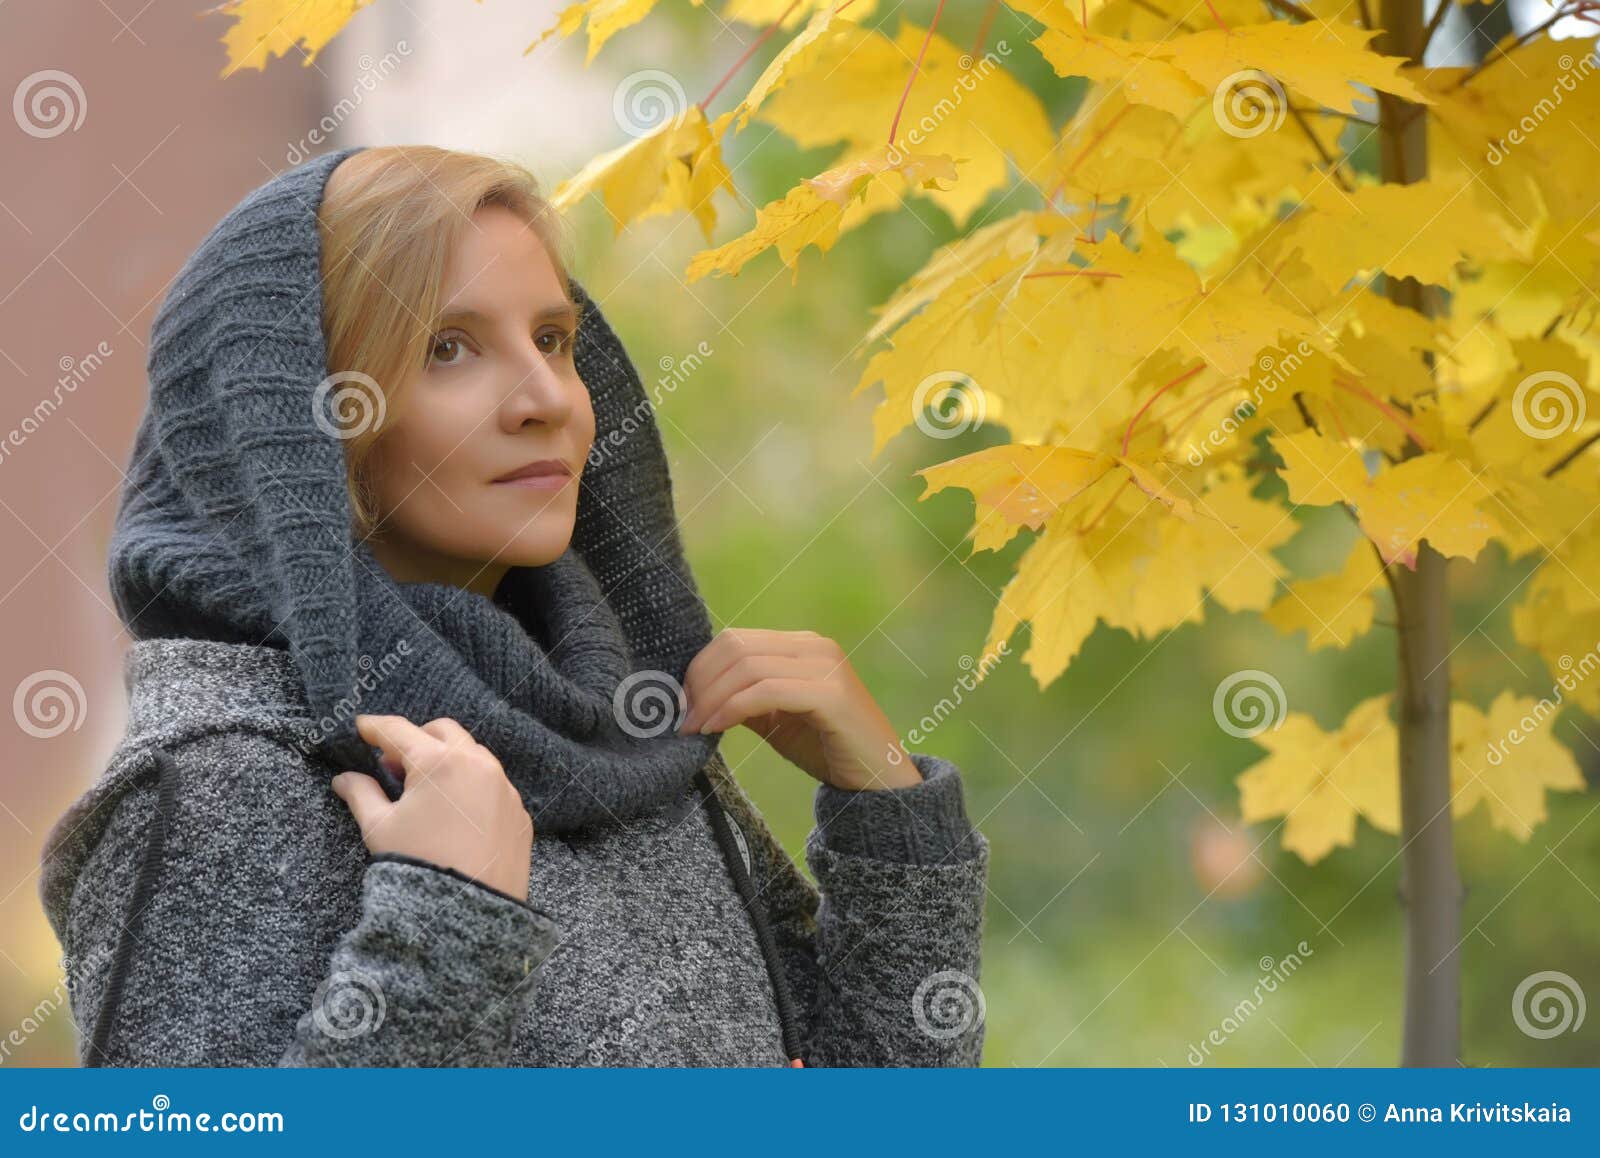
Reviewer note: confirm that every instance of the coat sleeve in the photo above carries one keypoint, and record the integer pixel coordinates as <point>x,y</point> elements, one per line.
<point>882,955</point>
<point>217,907</point>
<point>903,875</point>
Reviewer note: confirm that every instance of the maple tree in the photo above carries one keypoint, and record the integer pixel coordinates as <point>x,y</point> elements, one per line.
<point>1205,289</point>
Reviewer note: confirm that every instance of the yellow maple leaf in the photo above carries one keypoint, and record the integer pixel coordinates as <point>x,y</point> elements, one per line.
<point>263,29</point>
<point>1026,485</point>
<point>1228,548</point>
<point>1319,782</point>
<point>1422,230</point>
<point>1560,612</point>
<point>847,90</point>
<point>1226,551</point>
<point>1508,759</point>
<point>761,13</point>
<point>1009,371</point>
<point>1141,20</point>
<point>603,19</point>
<point>814,212</point>
<point>1525,295</point>
<point>676,166</point>
<point>1067,581</point>
<point>1537,513</point>
<point>1122,146</point>
<point>845,183</point>
<point>796,56</point>
<point>1153,297</point>
<point>1012,238</point>
<point>1432,496</point>
<point>1321,59</point>
<point>1516,128</point>
<point>1129,565</point>
<point>1134,68</point>
<point>1540,407</point>
<point>800,218</point>
<point>1331,609</point>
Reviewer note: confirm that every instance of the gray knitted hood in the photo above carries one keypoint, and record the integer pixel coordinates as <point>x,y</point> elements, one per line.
<point>235,525</point>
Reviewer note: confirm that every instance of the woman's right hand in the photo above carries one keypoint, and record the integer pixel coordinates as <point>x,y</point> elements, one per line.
<point>457,808</point>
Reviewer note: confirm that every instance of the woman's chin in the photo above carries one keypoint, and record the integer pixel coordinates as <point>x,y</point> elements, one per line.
<point>535,546</point>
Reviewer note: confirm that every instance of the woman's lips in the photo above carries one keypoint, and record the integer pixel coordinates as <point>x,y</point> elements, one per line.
<point>540,482</point>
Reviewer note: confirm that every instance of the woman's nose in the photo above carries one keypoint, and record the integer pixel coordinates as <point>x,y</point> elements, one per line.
<point>538,393</point>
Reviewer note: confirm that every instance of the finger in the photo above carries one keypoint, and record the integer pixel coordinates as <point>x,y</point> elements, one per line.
<point>448,731</point>
<point>740,674</point>
<point>451,734</point>
<point>364,796</point>
<point>798,697</point>
<point>415,749</point>
<point>392,762</point>
<point>734,643</point>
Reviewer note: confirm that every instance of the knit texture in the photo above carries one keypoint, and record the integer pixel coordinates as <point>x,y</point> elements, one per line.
<point>271,938</point>
<point>235,526</point>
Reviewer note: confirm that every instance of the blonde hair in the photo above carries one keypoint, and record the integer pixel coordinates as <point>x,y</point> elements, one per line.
<point>389,219</point>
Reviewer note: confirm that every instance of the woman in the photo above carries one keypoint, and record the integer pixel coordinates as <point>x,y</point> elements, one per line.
<point>399,554</point>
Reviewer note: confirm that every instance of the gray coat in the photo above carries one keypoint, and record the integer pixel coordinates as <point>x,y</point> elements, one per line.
<point>268,935</point>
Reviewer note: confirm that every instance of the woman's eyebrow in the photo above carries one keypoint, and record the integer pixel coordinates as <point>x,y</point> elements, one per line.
<point>555,312</point>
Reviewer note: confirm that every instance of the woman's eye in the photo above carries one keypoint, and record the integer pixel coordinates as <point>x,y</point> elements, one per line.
<point>435,354</point>
<point>559,341</point>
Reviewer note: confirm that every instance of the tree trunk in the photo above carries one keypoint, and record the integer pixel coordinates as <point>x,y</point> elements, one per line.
<point>1430,889</point>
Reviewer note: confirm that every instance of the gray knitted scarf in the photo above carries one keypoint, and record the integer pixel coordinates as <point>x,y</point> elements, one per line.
<point>235,525</point>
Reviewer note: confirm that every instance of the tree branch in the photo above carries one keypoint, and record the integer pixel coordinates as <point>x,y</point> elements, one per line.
<point>1327,158</point>
<point>1566,459</point>
<point>1501,53</point>
<point>1433,26</point>
<point>1340,113</point>
<point>1290,8</point>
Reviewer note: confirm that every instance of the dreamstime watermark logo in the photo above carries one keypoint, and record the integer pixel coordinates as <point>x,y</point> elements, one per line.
<point>74,373</point>
<point>948,1004</point>
<point>1273,973</point>
<point>1275,371</point>
<point>348,1004</point>
<point>642,1013</point>
<point>346,411</point>
<point>48,103</point>
<point>48,703</point>
<point>646,100</point>
<point>1248,103</point>
<point>371,73</point>
<point>958,406</point>
<point>1546,708</point>
<point>973,73</point>
<point>1248,703</point>
<point>372,673</point>
<point>1548,404</point>
<point>948,704</point>
<point>155,1120</point>
<point>58,999</point>
<point>1525,128</point>
<point>648,704</point>
<point>674,373</point>
<point>1548,1004</point>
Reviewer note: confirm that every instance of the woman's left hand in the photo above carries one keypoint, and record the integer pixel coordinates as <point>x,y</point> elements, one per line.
<point>797,690</point>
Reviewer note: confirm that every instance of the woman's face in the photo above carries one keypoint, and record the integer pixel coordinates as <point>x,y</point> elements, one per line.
<point>500,392</point>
